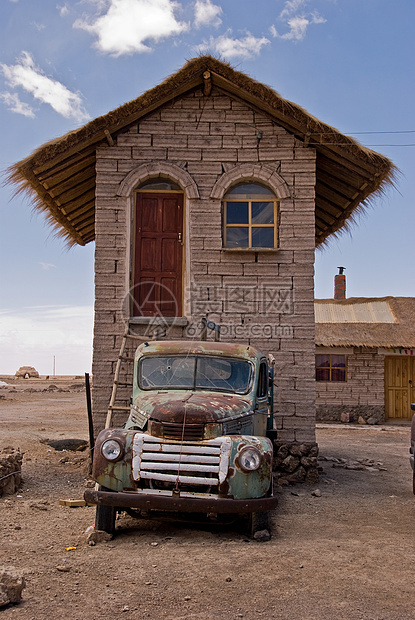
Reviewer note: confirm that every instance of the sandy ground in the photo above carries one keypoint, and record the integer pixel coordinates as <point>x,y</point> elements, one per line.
<point>346,552</point>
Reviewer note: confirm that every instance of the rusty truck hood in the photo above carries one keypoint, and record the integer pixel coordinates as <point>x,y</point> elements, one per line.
<point>199,407</point>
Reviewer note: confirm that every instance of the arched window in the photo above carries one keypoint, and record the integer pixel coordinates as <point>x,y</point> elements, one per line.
<point>250,218</point>
<point>160,184</point>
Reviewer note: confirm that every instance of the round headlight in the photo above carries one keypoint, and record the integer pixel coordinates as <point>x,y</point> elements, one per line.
<point>250,459</point>
<point>111,450</point>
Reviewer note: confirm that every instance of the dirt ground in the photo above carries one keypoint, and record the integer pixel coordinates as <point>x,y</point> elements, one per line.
<point>344,552</point>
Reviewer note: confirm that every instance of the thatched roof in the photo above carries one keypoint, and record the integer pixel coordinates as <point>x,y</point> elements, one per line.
<point>387,322</point>
<point>60,175</point>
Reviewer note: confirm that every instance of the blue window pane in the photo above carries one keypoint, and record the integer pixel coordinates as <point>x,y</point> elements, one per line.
<point>262,237</point>
<point>262,212</point>
<point>237,237</point>
<point>237,213</point>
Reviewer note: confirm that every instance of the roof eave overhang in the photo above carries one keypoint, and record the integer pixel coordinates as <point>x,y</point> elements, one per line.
<point>369,170</point>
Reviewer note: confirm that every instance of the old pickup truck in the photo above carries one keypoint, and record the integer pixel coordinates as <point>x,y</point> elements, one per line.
<point>195,444</point>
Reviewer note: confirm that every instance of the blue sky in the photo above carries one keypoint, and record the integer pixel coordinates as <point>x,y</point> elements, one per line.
<point>348,62</point>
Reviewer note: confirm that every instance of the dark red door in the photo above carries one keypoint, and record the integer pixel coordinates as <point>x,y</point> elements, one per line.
<point>158,255</point>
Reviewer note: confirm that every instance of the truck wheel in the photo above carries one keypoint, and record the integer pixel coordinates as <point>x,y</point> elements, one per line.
<point>258,526</point>
<point>105,518</point>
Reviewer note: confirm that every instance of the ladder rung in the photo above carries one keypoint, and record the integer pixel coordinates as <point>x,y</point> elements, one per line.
<point>118,408</point>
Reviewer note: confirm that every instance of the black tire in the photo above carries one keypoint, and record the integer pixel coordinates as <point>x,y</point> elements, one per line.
<point>258,522</point>
<point>105,518</point>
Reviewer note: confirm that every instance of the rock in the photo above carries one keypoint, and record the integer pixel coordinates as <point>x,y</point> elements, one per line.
<point>309,461</point>
<point>316,493</point>
<point>11,585</point>
<point>283,452</point>
<point>299,449</point>
<point>63,568</point>
<point>312,475</point>
<point>372,420</point>
<point>98,536</point>
<point>290,464</point>
<point>262,536</point>
<point>345,417</point>
<point>361,420</point>
<point>10,471</point>
<point>298,475</point>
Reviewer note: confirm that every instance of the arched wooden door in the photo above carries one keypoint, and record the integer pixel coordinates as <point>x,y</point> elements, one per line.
<point>158,254</point>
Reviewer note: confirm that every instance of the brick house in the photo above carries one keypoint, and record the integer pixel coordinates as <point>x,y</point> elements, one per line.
<point>206,196</point>
<point>365,359</point>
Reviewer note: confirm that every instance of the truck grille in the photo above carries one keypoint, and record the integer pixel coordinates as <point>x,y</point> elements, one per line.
<point>190,432</point>
<point>194,465</point>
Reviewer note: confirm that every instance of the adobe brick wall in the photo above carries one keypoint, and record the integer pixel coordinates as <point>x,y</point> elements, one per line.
<point>212,142</point>
<point>362,395</point>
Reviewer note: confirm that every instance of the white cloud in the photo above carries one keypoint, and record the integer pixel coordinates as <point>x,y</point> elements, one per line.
<point>128,25</point>
<point>39,27</point>
<point>26,75</point>
<point>207,14</point>
<point>32,336</point>
<point>14,104</point>
<point>291,7</point>
<point>46,266</point>
<point>228,47</point>
<point>298,21</point>
<point>63,9</point>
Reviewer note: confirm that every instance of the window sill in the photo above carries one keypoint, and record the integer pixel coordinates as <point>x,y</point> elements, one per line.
<point>252,250</point>
<point>180,321</point>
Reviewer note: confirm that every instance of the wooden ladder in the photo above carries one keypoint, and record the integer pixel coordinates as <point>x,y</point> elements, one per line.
<point>112,407</point>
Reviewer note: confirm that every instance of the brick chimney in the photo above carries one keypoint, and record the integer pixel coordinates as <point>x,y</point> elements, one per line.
<point>340,284</point>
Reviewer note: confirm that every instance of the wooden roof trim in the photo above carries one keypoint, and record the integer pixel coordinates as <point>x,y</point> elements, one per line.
<point>333,181</point>
<point>325,191</point>
<point>75,192</point>
<point>88,206</point>
<point>58,189</point>
<point>73,205</point>
<point>43,201</point>
<point>82,160</point>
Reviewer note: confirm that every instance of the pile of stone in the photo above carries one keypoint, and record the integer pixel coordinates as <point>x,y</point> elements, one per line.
<point>10,471</point>
<point>294,463</point>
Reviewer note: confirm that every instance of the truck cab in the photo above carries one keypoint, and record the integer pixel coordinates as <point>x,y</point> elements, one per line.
<point>195,441</point>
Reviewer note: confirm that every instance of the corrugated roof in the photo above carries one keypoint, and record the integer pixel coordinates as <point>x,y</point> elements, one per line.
<point>390,322</point>
<point>364,312</point>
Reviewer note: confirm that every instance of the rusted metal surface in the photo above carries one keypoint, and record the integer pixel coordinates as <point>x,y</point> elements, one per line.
<point>194,407</point>
<point>189,347</point>
<point>180,504</point>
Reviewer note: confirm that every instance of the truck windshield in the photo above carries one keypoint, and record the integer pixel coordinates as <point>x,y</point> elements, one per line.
<point>195,373</point>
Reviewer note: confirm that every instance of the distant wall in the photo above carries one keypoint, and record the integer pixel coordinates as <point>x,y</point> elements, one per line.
<point>362,395</point>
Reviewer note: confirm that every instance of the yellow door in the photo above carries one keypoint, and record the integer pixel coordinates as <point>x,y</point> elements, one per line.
<point>399,387</point>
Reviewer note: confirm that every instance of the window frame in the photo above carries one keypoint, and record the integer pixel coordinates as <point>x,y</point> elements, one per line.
<point>331,367</point>
<point>249,224</point>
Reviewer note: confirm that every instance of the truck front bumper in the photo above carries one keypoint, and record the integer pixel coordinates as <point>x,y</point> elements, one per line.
<point>147,501</point>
